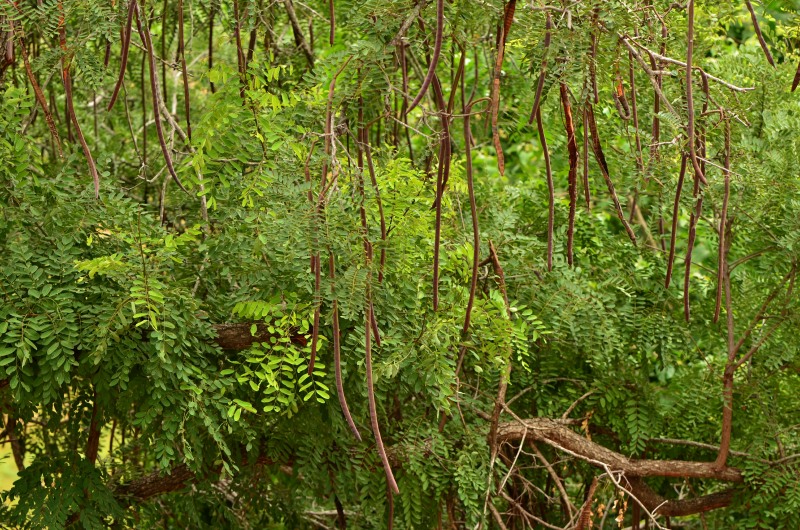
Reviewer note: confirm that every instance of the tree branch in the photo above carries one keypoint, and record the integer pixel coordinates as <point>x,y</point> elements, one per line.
<point>558,435</point>
<point>237,336</point>
<point>658,505</point>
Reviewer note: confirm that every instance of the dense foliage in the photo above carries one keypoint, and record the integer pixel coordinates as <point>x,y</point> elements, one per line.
<point>399,263</point>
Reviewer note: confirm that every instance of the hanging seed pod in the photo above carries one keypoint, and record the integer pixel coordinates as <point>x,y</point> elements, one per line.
<point>572,149</point>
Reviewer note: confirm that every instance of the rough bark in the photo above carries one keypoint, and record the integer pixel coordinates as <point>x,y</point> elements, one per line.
<point>239,337</point>
<point>558,435</point>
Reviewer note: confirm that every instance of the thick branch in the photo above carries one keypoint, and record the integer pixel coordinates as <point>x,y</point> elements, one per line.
<point>658,505</point>
<point>179,477</point>
<point>238,336</point>
<point>558,435</point>
<point>155,483</point>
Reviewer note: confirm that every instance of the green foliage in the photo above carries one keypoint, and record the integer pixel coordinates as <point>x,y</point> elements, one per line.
<point>110,309</point>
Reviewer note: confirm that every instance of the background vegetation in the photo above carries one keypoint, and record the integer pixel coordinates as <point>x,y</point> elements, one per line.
<point>376,264</point>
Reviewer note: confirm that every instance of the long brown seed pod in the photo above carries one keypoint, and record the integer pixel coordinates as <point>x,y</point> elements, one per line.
<point>315,260</point>
<point>315,266</point>
<point>184,74</point>
<point>37,90</point>
<point>164,13</point>
<point>473,209</point>
<point>337,352</point>
<point>548,25</point>
<point>620,101</point>
<point>693,219</point>
<point>689,100</point>
<point>211,14</point>
<point>240,55</point>
<point>437,50</point>
<point>251,46</point>
<point>67,81</point>
<point>361,141</point>
<point>373,409</point>
<point>443,155</point>
<point>310,194</point>
<point>148,45</point>
<point>658,82</point>
<point>550,190</point>
<point>757,28</point>
<point>329,130</point>
<point>126,41</point>
<point>332,16</point>
<point>373,178</point>
<point>586,192</point>
<point>722,257</point>
<point>635,114</point>
<point>572,148</point>
<point>601,160</point>
<point>674,233</point>
<point>457,80</point>
<point>442,173</point>
<point>593,55</point>
<point>796,78</point>
<point>508,18</point>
